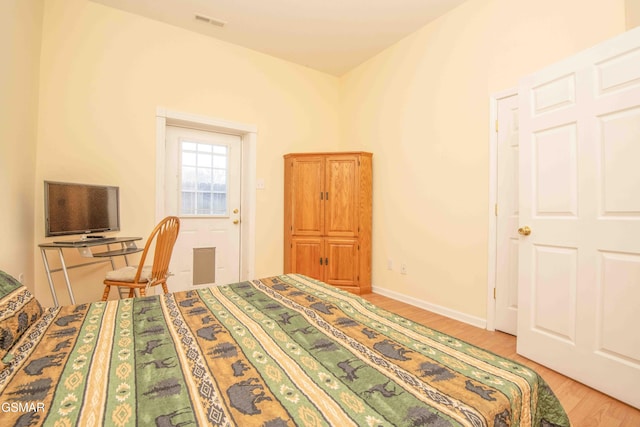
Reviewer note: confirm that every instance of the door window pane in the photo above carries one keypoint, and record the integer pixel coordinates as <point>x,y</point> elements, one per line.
<point>188,201</point>
<point>188,158</point>
<point>203,179</point>
<point>204,160</point>
<point>188,178</point>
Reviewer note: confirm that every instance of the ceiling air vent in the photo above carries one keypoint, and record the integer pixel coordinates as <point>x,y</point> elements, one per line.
<point>208,20</point>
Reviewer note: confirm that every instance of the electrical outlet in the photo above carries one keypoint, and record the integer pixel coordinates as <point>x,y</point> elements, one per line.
<point>403,268</point>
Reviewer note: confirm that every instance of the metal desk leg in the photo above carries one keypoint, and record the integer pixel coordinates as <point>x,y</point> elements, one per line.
<point>66,276</point>
<point>43,252</point>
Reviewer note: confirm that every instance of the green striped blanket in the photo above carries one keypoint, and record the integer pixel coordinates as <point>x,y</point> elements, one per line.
<point>282,351</point>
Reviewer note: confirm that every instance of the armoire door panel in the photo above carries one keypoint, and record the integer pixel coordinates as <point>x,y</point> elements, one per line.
<point>305,257</point>
<point>341,196</point>
<point>341,261</point>
<point>307,191</point>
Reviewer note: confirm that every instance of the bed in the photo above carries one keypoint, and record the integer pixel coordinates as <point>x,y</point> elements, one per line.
<point>279,351</point>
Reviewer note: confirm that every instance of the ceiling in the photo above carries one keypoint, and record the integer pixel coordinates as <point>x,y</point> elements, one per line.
<point>332,36</point>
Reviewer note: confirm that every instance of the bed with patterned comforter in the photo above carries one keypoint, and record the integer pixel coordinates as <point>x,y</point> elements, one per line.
<point>281,351</point>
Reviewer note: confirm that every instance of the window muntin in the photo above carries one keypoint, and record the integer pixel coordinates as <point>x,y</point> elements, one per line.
<point>203,180</point>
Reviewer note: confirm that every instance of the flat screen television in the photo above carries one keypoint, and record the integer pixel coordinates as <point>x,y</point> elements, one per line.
<point>72,208</point>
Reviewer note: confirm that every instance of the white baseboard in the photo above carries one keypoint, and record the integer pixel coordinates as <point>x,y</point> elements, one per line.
<point>434,308</point>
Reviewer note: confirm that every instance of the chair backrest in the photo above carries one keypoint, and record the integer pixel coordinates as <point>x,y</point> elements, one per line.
<point>165,235</point>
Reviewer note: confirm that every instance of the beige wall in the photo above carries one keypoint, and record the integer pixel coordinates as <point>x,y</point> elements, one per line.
<point>105,71</point>
<point>632,13</point>
<point>20,35</point>
<point>422,107</point>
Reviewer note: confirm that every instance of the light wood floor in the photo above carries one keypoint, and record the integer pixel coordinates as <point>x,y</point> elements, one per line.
<point>585,406</point>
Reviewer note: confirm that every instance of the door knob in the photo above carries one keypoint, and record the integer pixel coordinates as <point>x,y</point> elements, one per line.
<point>525,231</point>
<point>235,211</point>
<point>235,221</point>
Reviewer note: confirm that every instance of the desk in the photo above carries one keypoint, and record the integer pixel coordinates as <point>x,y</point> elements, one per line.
<point>126,247</point>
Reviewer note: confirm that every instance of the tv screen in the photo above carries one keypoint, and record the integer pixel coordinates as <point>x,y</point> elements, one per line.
<point>80,208</point>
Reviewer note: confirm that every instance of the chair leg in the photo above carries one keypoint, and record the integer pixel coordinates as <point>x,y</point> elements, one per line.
<point>164,288</point>
<point>143,292</point>
<point>132,293</point>
<point>105,294</point>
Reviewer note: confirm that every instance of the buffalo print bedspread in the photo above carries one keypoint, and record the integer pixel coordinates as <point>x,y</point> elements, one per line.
<point>275,352</point>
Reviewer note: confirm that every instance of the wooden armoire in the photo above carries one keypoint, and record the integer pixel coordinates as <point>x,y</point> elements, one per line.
<point>327,218</point>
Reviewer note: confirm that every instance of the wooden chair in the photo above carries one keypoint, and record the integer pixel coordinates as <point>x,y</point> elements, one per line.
<point>143,277</point>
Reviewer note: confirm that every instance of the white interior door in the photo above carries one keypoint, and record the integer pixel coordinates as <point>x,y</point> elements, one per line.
<point>579,287</point>
<point>507,241</point>
<point>202,179</point>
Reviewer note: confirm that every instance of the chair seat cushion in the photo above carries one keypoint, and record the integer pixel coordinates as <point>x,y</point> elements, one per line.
<point>128,274</point>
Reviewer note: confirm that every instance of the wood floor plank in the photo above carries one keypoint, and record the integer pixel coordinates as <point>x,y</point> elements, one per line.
<point>585,406</point>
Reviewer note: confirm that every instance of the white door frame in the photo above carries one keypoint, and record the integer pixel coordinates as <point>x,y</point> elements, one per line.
<point>493,200</point>
<point>249,135</point>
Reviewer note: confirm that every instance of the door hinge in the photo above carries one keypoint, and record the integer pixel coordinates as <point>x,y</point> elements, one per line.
<point>495,209</point>
<point>494,293</point>
<point>496,125</point>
